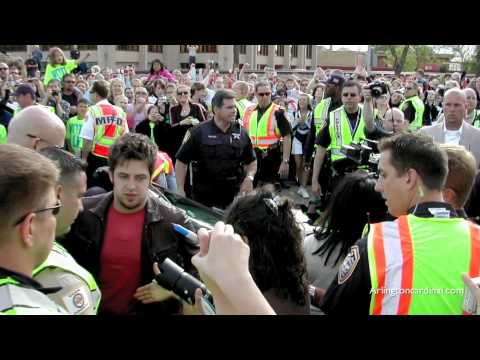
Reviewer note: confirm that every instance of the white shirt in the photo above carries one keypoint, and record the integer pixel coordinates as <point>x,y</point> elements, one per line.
<point>88,128</point>
<point>452,136</point>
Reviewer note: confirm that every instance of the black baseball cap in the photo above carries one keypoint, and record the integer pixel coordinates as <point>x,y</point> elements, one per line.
<point>336,79</point>
<point>24,89</point>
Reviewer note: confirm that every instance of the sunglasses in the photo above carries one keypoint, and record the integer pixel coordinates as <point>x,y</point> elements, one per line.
<point>264,94</point>
<point>69,82</point>
<point>55,210</point>
<point>349,95</point>
<point>182,93</point>
<point>4,69</point>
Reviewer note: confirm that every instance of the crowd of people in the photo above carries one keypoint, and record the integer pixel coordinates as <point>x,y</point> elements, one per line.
<point>87,153</point>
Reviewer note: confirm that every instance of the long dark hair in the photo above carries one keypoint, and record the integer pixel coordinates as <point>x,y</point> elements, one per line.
<point>354,203</point>
<point>156,61</point>
<point>275,240</point>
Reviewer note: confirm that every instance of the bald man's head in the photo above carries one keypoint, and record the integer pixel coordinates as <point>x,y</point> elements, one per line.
<point>454,107</point>
<point>36,127</point>
<point>394,120</point>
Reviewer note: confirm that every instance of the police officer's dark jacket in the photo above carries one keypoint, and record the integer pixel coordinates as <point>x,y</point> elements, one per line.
<point>220,155</point>
<point>85,240</point>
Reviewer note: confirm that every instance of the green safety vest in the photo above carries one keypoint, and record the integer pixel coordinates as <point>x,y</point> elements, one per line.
<point>263,132</point>
<point>3,134</point>
<point>476,118</point>
<point>242,106</point>
<point>340,132</point>
<point>110,124</point>
<point>73,128</point>
<point>16,299</point>
<point>59,258</point>
<point>419,109</point>
<point>416,264</point>
<point>58,71</point>
<point>320,114</point>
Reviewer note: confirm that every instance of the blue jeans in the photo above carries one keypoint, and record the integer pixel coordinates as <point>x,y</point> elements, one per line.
<point>171,182</point>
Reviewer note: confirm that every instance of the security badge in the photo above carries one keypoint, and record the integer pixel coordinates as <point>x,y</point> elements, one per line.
<point>77,301</point>
<point>349,264</point>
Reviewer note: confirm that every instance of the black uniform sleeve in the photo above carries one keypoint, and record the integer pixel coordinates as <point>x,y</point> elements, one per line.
<point>323,138</point>
<point>409,112</point>
<point>310,143</point>
<point>248,154</point>
<point>189,150</point>
<point>282,123</point>
<point>352,296</point>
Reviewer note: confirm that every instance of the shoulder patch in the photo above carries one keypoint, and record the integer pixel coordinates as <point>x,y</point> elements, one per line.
<point>349,264</point>
<point>77,301</point>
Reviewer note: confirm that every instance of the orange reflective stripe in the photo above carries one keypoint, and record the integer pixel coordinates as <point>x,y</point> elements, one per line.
<point>100,150</point>
<point>108,110</point>
<point>110,130</point>
<point>407,268</point>
<point>380,265</point>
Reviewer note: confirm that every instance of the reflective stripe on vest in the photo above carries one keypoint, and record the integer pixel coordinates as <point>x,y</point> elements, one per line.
<point>340,132</point>
<point>241,106</point>
<point>408,264</point>
<point>163,164</point>
<point>263,133</point>
<point>320,114</point>
<point>19,300</point>
<point>109,126</point>
<point>419,107</point>
<point>60,258</point>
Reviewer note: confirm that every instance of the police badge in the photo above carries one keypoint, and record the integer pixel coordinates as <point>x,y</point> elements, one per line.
<point>349,264</point>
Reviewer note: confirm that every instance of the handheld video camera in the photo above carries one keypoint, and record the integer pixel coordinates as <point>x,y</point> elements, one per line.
<point>174,278</point>
<point>361,155</point>
<point>378,88</point>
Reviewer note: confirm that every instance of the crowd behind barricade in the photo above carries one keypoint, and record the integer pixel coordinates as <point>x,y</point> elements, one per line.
<point>388,165</point>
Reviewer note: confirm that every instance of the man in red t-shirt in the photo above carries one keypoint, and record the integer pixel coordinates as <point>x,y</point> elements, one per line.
<point>119,234</point>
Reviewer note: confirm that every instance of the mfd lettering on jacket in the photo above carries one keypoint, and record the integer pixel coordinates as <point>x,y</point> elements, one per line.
<point>109,120</point>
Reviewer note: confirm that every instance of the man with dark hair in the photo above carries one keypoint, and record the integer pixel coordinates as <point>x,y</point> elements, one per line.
<point>271,135</point>
<point>344,126</point>
<point>119,235</point>
<point>226,162</point>
<point>28,208</point>
<point>412,265</point>
<point>69,93</point>
<point>79,294</point>
<point>413,107</point>
<point>104,125</point>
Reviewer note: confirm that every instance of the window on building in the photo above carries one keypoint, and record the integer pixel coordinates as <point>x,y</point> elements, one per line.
<point>263,50</point>
<point>201,49</point>
<point>155,48</point>
<point>280,50</point>
<point>128,47</point>
<point>243,49</point>
<point>294,51</point>
<point>13,48</point>
<point>309,51</point>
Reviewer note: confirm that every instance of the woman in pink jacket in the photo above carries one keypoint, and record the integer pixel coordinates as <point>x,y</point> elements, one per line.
<point>159,71</point>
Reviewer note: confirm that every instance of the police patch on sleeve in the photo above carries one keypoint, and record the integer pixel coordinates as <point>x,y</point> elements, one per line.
<point>349,264</point>
<point>77,301</point>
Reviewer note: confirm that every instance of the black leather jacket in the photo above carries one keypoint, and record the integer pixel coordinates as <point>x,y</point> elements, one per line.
<point>85,241</point>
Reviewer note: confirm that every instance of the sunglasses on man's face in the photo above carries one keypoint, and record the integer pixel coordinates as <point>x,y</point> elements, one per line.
<point>264,94</point>
<point>55,210</point>
<point>182,93</point>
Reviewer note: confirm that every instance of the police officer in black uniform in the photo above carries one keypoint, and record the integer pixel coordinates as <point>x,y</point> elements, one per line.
<point>225,161</point>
